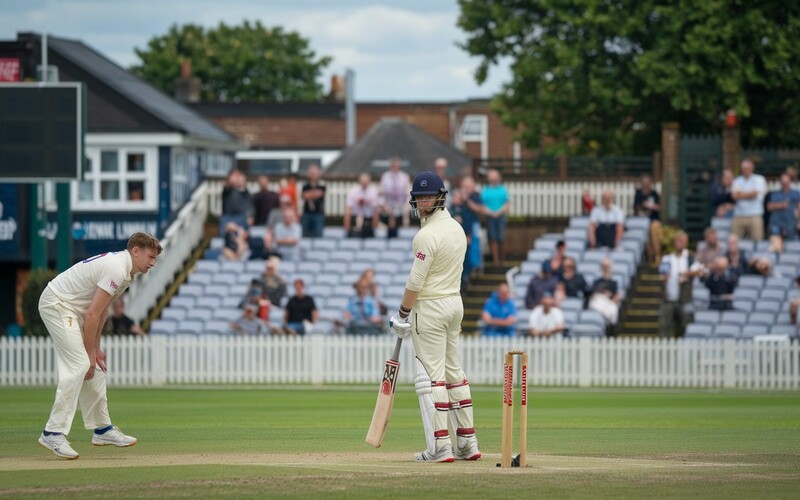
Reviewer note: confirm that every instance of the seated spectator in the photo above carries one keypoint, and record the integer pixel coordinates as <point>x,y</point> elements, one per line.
<point>546,319</point>
<point>362,209</point>
<point>499,313</point>
<point>276,216</point>
<point>604,296</point>
<point>708,249</point>
<point>120,323</point>
<point>285,238</point>
<point>737,258</point>
<point>301,312</point>
<point>236,245</point>
<point>254,294</point>
<point>782,208</point>
<point>363,317</point>
<point>395,189</point>
<point>761,266</point>
<point>274,285</point>
<point>587,202</point>
<point>721,283</point>
<point>557,260</point>
<point>606,223</point>
<point>367,277</point>
<point>721,200</point>
<point>571,283</point>
<point>264,201</point>
<point>250,325</point>
<point>647,203</point>
<point>236,201</point>
<point>539,284</point>
<point>794,303</point>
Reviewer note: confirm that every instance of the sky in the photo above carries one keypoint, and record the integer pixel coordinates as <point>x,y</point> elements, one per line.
<point>399,50</point>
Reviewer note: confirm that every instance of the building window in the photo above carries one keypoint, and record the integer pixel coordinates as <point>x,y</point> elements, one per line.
<point>475,128</point>
<point>117,179</point>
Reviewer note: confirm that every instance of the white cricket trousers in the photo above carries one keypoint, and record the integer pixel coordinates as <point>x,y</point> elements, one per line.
<point>436,328</point>
<point>65,326</point>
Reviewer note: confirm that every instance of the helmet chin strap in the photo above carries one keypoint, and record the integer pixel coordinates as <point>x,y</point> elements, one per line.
<point>416,211</point>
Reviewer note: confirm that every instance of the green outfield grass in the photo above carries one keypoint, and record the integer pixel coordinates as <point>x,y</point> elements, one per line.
<point>307,442</point>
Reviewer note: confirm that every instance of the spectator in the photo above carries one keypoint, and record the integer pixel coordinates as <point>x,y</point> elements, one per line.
<point>604,296</point>
<point>557,260</point>
<point>542,283</point>
<point>236,201</point>
<point>301,312</point>
<point>722,201</point>
<point>794,302</point>
<point>285,239</point>
<point>571,283</point>
<point>782,206</point>
<point>647,203</point>
<point>496,202</point>
<point>289,188</point>
<point>363,316</point>
<point>499,313</point>
<point>546,319</point>
<point>264,201</point>
<point>274,286</point>
<point>440,166</point>
<point>708,249</point>
<point>721,283</point>
<point>748,190</point>
<point>470,221</point>
<point>236,245</point>
<point>313,219</point>
<point>395,189</point>
<point>455,206</point>
<point>250,325</point>
<point>367,277</point>
<point>120,323</point>
<point>737,258</point>
<point>676,272</point>
<point>276,216</point>
<point>361,209</point>
<point>587,202</point>
<point>606,223</point>
<point>255,296</point>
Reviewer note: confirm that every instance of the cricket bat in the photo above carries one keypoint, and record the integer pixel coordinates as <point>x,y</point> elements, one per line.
<point>383,406</point>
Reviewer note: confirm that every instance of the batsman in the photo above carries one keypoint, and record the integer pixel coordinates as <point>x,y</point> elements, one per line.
<point>430,313</point>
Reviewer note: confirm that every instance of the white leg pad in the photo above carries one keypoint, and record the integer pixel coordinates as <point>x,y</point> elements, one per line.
<point>422,383</point>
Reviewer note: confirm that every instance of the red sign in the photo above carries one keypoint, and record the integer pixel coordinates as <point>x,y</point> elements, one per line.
<point>9,69</point>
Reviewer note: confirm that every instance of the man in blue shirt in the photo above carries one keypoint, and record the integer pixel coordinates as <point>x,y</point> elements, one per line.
<point>499,313</point>
<point>782,207</point>
<point>496,200</point>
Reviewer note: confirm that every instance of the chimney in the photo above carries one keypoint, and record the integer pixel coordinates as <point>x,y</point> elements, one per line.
<point>187,87</point>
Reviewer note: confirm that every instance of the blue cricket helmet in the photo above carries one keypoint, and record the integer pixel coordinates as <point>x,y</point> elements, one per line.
<point>427,183</point>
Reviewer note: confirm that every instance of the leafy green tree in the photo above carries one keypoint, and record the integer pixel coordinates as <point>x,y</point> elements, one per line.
<point>594,76</point>
<point>236,63</point>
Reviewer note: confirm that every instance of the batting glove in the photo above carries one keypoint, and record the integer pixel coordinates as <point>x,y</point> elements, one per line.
<point>400,327</point>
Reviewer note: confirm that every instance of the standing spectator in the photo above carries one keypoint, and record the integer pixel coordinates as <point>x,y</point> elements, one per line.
<point>708,249</point>
<point>571,283</point>
<point>587,202</point>
<point>236,243</point>
<point>497,202</point>
<point>264,201</point>
<point>721,283</point>
<point>748,191</point>
<point>74,306</point>
<point>250,325</point>
<point>395,187</point>
<point>236,201</point>
<point>676,272</point>
<point>546,319</point>
<point>499,313</point>
<point>604,296</point>
<point>722,201</point>
<point>441,170</point>
<point>274,286</point>
<point>120,323</point>
<point>606,223</point>
<point>362,209</point>
<point>363,316</point>
<point>557,260</point>
<point>782,206</point>
<point>647,203</point>
<point>470,220</point>
<point>542,283</point>
<point>286,237</point>
<point>301,312</point>
<point>289,188</point>
<point>313,219</point>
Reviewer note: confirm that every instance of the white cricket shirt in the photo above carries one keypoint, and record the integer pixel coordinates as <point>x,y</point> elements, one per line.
<point>439,249</point>
<point>77,285</point>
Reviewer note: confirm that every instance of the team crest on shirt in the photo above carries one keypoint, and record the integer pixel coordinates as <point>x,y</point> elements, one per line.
<point>420,256</point>
<point>114,285</point>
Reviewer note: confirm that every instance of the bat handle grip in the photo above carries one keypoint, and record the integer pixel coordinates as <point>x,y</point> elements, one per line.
<point>397,346</point>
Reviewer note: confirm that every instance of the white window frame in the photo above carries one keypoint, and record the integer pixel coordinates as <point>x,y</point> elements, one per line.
<point>326,157</point>
<point>482,137</point>
<point>149,177</point>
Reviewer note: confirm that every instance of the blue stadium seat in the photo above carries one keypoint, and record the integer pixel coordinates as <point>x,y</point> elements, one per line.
<point>789,330</point>
<point>751,281</point>
<point>163,326</point>
<point>637,223</point>
<point>350,244</point>
<point>190,290</point>
<point>708,316</point>
<point>721,223</point>
<point>579,222</point>
<point>186,302</point>
<point>217,327</point>
<point>698,331</point>
<point>781,283</point>
<point>586,330</point>
<point>572,304</point>
<point>207,266</point>
<point>733,318</point>
<point>761,318</point>
<point>190,326</point>
<point>333,232</point>
<point>746,294</point>
<point>226,277</point>
<point>227,314</point>
<point>588,316</point>
<point>750,331</point>
<point>174,313</point>
<point>218,290</point>
<point>727,331</point>
<point>743,305</point>
<point>767,306</point>
<point>773,294</point>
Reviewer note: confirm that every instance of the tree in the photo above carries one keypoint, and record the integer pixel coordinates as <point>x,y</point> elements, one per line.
<point>601,77</point>
<point>236,63</point>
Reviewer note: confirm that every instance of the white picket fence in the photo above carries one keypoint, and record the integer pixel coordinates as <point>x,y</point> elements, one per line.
<point>584,362</point>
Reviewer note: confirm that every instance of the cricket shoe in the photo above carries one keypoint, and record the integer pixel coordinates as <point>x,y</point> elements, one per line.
<point>113,437</point>
<point>58,444</point>
<point>444,454</point>
<point>467,449</point>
